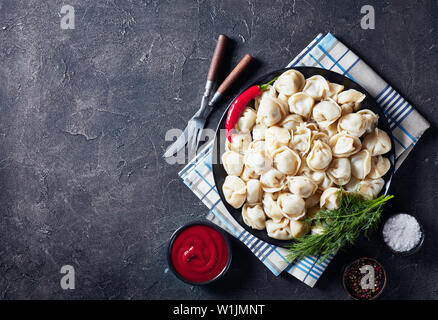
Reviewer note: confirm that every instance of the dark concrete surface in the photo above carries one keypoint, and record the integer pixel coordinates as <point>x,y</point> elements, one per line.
<point>83,118</point>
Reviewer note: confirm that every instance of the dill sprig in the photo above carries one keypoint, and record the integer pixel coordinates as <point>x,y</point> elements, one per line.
<point>339,227</point>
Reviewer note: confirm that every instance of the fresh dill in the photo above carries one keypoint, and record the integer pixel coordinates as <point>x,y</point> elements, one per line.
<point>339,227</point>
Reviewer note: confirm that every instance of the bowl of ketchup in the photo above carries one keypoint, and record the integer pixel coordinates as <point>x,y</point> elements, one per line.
<point>199,253</point>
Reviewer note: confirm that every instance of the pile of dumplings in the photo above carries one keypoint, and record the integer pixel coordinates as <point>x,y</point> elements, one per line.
<point>292,149</point>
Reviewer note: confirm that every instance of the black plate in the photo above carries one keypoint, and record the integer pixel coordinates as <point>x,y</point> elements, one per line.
<point>219,173</point>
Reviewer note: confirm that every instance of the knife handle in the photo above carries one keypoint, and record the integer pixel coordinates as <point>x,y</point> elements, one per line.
<point>237,71</point>
<point>217,57</point>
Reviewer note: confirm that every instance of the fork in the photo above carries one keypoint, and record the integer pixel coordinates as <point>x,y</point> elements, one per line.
<point>183,139</point>
<point>196,124</point>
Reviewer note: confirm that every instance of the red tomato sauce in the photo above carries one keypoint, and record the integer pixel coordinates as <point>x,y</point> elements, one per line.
<point>199,253</point>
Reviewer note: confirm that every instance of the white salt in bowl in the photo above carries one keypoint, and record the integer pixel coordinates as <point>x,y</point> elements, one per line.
<point>411,251</point>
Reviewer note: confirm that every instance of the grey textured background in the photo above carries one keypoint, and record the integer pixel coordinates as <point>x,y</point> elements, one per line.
<point>83,118</point>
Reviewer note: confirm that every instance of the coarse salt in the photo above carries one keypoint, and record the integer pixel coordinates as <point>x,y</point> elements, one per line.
<point>402,232</point>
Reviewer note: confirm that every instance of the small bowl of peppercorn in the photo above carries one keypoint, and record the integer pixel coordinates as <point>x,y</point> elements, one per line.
<point>364,279</point>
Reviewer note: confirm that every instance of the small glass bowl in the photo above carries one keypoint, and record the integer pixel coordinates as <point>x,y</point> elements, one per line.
<point>197,223</point>
<point>411,251</point>
<point>344,274</point>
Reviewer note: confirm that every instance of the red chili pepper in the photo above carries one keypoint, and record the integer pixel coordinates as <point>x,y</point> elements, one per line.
<point>240,103</point>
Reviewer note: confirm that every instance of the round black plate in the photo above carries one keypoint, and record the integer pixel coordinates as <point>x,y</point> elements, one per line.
<point>219,171</point>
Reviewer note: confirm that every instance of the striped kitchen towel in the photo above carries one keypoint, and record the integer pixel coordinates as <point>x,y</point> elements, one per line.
<point>406,124</point>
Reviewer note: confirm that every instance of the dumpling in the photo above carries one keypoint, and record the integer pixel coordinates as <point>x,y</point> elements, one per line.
<point>319,135</point>
<point>316,87</point>
<point>240,142</point>
<point>361,164</point>
<point>330,199</point>
<point>370,118</point>
<point>234,190</point>
<point>340,171</point>
<point>319,157</point>
<point>270,111</point>
<point>283,97</point>
<point>279,229</point>
<point>312,201</point>
<point>258,160</point>
<point>344,145</point>
<point>247,120</point>
<point>258,132</point>
<point>301,186</point>
<point>248,174</point>
<point>276,137</point>
<point>326,112</point>
<point>330,129</point>
<point>301,103</point>
<point>319,177</point>
<point>311,125</point>
<point>272,180</point>
<point>352,185</point>
<point>353,123</point>
<point>379,167</point>
<point>254,191</point>
<point>326,182</point>
<point>300,141</point>
<point>256,145</point>
<point>351,95</point>
<point>233,163</point>
<point>298,228</point>
<point>334,90</point>
<point>286,160</point>
<point>291,122</point>
<point>370,188</point>
<point>377,142</point>
<point>254,216</point>
<point>292,206</point>
<point>316,176</point>
<point>347,108</point>
<point>284,107</point>
<point>289,82</point>
<point>304,170</point>
<point>270,206</point>
<point>268,92</point>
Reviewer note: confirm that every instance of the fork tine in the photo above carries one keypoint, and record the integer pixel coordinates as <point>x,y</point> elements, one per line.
<point>191,133</point>
<point>193,142</point>
<point>198,140</point>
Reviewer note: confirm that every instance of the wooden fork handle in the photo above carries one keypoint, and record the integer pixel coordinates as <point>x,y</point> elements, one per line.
<point>217,57</point>
<point>237,71</point>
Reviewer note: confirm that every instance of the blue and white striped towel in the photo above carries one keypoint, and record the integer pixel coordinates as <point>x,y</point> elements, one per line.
<point>407,127</point>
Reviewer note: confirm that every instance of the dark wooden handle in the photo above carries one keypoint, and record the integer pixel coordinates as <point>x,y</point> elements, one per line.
<point>217,57</point>
<point>237,71</point>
